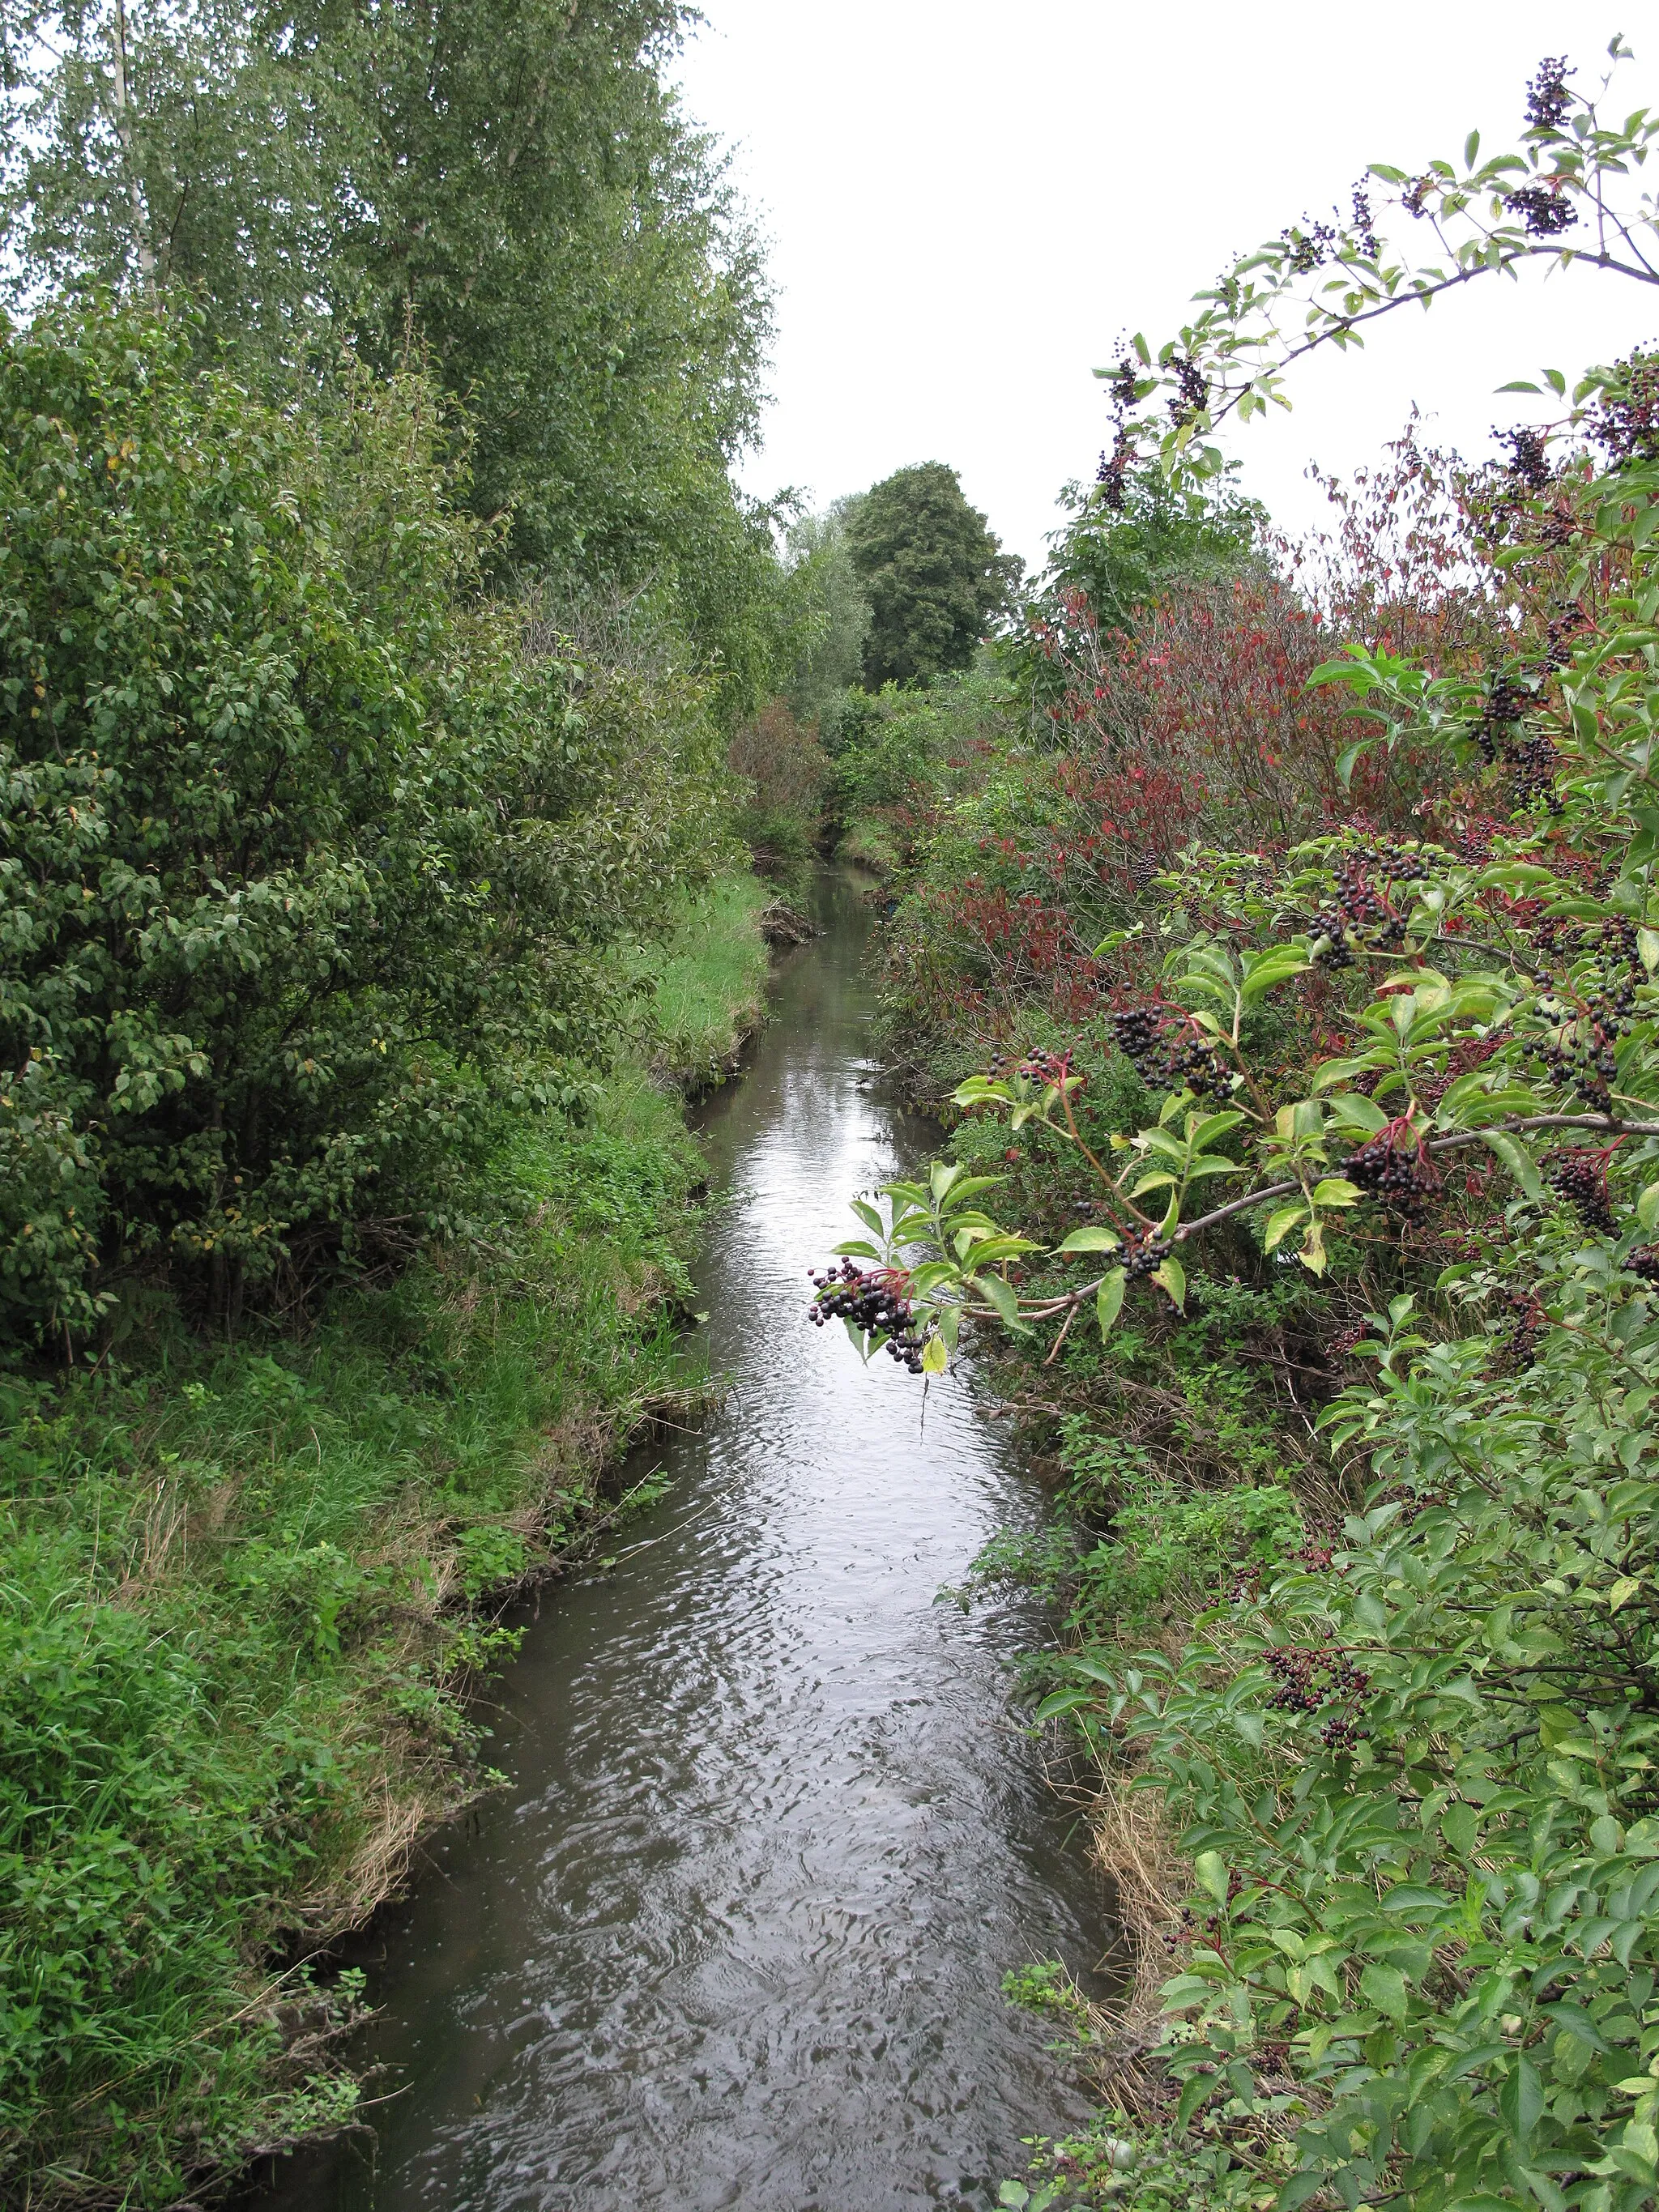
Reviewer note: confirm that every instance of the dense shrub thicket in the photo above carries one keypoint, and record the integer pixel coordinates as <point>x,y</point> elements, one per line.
<point>376,610</point>
<point>1320,1190</point>
<point>305,858</point>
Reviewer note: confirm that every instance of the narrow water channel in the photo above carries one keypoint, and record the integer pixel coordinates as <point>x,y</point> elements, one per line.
<point>734,1935</point>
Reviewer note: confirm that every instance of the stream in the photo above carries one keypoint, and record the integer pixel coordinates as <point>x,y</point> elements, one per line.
<point>734,1933</point>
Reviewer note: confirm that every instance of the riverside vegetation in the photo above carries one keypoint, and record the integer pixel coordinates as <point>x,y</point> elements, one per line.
<point>395,696</point>
<point>380,638</point>
<point>1279,923</point>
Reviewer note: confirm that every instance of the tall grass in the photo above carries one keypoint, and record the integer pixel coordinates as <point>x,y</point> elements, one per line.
<point>243,1592</point>
<point>710,982</point>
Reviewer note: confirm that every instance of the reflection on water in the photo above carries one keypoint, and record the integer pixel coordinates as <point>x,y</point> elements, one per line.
<point>734,1935</point>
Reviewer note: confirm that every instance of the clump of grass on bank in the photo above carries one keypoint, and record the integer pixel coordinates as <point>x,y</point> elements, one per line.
<point>244,1590</point>
<point>710,983</point>
<point>869,842</point>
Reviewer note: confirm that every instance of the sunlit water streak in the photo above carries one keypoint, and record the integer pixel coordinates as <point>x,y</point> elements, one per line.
<point>734,1935</point>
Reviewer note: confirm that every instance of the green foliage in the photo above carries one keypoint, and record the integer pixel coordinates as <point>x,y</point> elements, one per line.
<point>235,1625</point>
<point>890,744</point>
<point>708,982</point>
<point>304,858</point>
<point>1169,1548</point>
<point>1045,1988</point>
<point>512,187</point>
<point>784,767</point>
<point>1411,1760</point>
<point>901,757</point>
<point>1434,1844</point>
<point>1117,559</point>
<point>1118,2161</point>
<point>934,576</point>
<point>1415,1784</point>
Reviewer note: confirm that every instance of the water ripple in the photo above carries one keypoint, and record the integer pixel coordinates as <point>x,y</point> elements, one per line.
<point>735,1934</point>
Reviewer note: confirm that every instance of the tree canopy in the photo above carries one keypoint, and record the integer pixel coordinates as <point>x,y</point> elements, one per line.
<point>510,189</point>
<point>933,573</point>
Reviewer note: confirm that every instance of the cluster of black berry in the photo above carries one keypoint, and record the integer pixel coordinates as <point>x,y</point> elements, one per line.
<point>1048,1067</point>
<point>871,1302</point>
<point>1112,476</point>
<point>1582,1056</point>
<point>1517,1346</point>
<point>1644,1262</point>
<point>1529,464</point>
<point>1609,940</point>
<point>1395,1167</point>
<point>1397,864</point>
<point>1146,1255</point>
<point>1545,209</point>
<point>1578,1176</point>
<point>1571,622</point>
<point>1535,761</point>
<point>1357,912</point>
<point>1474,838</point>
<point>1191,394</point>
<point>1113,473</point>
<point>1500,735</point>
<point>1167,1058</point>
<point>1331,947</point>
<point>1308,1677</point>
<point>1306,245</point>
<point>1626,425</point>
<point>1365,225</point>
<point>1138,1033</point>
<point>1120,385</point>
<point>1582,1053</point>
<point>1336,927</point>
<point>1360,906</point>
<point>1194,1065</point>
<point>1547,97</point>
<point>1360,910</point>
<point>1505,703</point>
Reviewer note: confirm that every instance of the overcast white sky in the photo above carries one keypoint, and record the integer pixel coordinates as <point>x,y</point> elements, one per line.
<point>969,203</point>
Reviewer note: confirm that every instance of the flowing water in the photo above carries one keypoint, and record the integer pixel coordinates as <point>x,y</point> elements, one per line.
<point>734,1934</point>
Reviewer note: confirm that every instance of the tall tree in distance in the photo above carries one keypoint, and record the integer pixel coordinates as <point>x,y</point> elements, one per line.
<point>934,575</point>
<point>835,618</point>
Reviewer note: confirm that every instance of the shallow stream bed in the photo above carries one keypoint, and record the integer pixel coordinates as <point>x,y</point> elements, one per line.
<point>734,1934</point>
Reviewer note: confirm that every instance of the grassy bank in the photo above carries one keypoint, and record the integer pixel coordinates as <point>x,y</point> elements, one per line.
<point>708,986</point>
<point>247,1589</point>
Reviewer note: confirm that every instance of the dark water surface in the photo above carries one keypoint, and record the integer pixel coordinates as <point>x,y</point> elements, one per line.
<point>734,1935</point>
